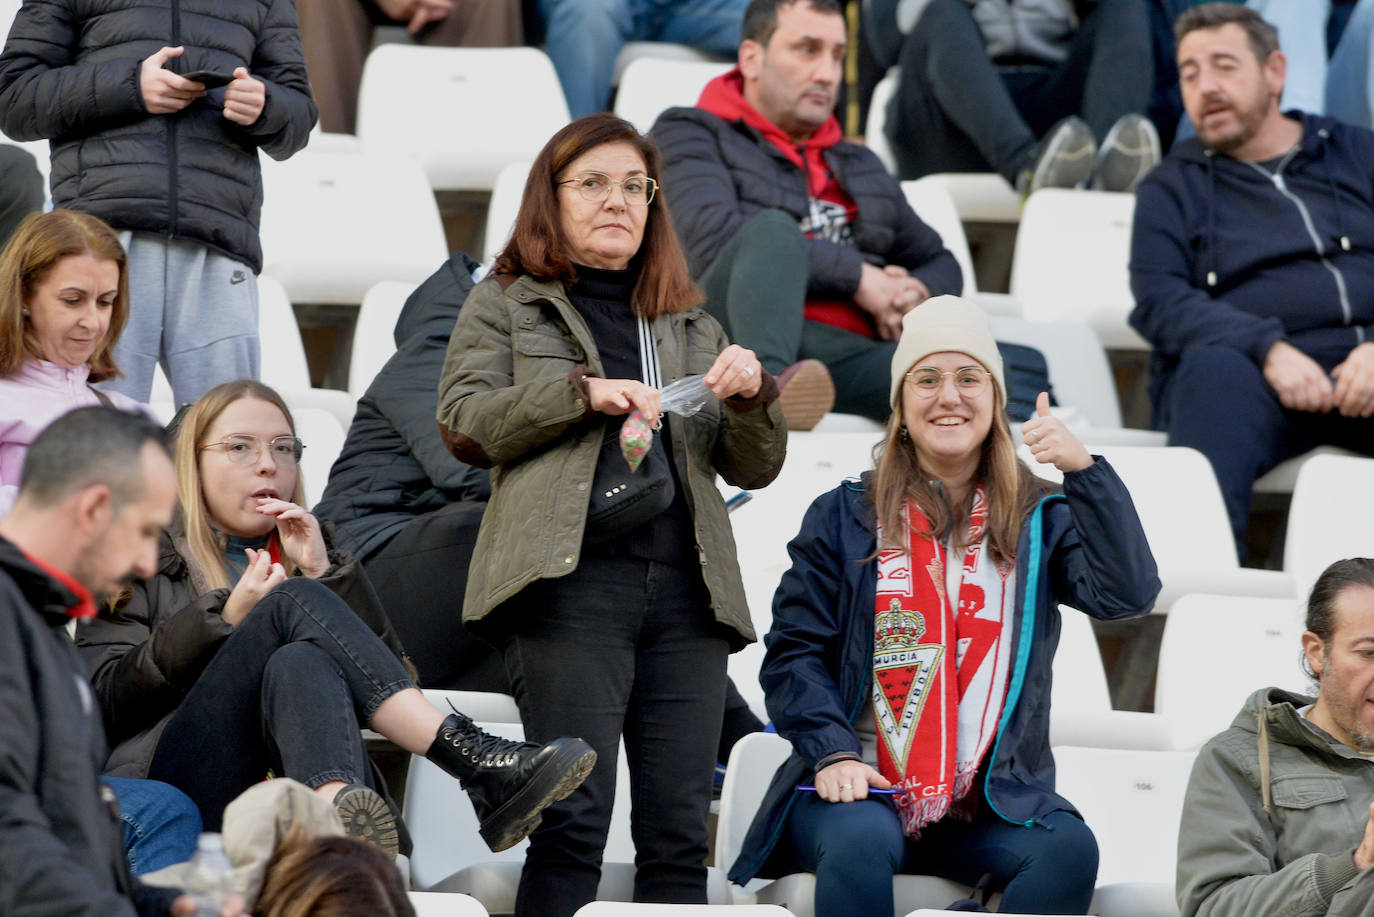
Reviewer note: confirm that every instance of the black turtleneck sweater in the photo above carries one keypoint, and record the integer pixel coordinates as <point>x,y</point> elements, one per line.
<point>603,299</point>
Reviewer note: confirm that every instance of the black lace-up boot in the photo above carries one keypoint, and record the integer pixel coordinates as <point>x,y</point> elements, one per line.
<point>509,782</point>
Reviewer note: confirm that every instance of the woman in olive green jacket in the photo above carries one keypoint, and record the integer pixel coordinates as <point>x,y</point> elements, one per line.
<point>589,312</point>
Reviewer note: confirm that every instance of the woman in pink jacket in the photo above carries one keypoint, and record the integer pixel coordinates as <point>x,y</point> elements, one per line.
<point>64,299</point>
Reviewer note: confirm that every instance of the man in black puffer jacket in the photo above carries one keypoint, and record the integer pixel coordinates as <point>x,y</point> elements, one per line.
<point>806,248</point>
<point>171,162</point>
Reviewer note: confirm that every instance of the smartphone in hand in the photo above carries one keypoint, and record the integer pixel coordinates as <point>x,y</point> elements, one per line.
<point>212,79</point>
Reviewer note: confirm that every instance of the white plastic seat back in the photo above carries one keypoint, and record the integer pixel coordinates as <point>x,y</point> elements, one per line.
<point>445,904</point>
<point>374,338</point>
<point>334,224</point>
<point>1218,650</point>
<point>633,51</point>
<point>324,439</point>
<point>1077,364</point>
<point>875,134</point>
<point>483,706</point>
<point>506,193</point>
<point>1329,518</point>
<point>464,113</point>
<point>284,364</point>
<point>931,200</point>
<point>651,84</point>
<point>1133,801</point>
<point>816,462</point>
<point>627,909</point>
<point>1175,493</point>
<point>1071,262</point>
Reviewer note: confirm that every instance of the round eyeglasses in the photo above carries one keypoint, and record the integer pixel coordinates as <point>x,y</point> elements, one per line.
<point>596,187</point>
<point>925,381</point>
<point>246,449</point>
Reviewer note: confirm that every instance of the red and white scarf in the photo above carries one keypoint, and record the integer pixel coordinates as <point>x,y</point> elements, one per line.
<point>935,721</point>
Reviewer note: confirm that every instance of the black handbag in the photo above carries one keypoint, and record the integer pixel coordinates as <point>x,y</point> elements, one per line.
<point>621,499</point>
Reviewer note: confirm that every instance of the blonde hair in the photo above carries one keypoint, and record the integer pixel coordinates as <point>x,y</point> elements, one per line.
<point>205,545</point>
<point>1012,490</point>
<point>331,876</point>
<point>40,242</point>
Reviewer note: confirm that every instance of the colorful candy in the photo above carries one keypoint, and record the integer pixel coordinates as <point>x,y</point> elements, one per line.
<point>636,436</point>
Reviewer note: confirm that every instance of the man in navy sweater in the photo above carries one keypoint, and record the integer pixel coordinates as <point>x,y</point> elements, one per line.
<point>1252,264</point>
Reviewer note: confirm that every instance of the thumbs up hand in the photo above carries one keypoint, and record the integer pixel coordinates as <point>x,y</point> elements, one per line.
<point>1051,442</point>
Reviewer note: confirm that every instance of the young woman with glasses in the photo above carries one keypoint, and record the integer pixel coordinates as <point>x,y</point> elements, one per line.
<point>254,650</point>
<point>912,641</point>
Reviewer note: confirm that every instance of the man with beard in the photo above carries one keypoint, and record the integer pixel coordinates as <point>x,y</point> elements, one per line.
<point>807,250</point>
<point>97,490</point>
<point>1252,264</point>
<point>1279,815</point>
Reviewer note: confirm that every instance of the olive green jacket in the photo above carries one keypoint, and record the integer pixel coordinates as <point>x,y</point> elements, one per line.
<point>513,397</point>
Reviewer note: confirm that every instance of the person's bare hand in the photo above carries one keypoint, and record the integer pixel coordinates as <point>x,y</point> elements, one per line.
<point>736,372</point>
<point>1297,379</point>
<point>165,92</point>
<point>244,98</point>
<point>877,295</point>
<point>185,906</point>
<point>1051,442</point>
<point>398,10</point>
<point>911,291</point>
<point>260,578</point>
<point>302,542</point>
<point>427,11</point>
<point>1364,854</point>
<point>1354,395</point>
<point>621,396</point>
<point>846,781</point>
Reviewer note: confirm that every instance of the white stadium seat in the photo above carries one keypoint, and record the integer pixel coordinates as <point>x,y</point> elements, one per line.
<point>464,113</point>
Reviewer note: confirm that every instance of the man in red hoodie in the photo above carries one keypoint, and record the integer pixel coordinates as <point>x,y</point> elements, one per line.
<point>806,247</point>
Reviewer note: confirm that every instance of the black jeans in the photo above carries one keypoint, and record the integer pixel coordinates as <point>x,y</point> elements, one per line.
<point>419,575</point>
<point>957,111</point>
<point>286,692</point>
<point>621,646</point>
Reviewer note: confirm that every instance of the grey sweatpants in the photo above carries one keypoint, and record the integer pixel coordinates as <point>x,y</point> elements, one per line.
<point>193,310</point>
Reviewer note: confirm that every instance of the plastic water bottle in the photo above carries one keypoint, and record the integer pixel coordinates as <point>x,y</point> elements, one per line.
<point>211,881</point>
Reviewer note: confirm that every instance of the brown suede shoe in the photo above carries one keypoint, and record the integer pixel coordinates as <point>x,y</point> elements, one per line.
<point>806,394</point>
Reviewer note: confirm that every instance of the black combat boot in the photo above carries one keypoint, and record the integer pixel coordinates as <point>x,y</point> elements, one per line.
<point>509,782</point>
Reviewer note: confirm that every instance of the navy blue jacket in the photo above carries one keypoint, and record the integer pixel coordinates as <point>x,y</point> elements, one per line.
<point>1220,255</point>
<point>1085,549</point>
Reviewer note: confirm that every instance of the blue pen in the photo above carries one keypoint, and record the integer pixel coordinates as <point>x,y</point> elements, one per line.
<point>872,789</point>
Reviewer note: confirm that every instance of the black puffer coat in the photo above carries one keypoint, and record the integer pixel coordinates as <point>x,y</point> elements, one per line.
<point>70,74</point>
<point>146,654</point>
<point>393,466</point>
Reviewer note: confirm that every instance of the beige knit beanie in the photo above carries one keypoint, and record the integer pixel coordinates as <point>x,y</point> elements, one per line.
<point>947,323</point>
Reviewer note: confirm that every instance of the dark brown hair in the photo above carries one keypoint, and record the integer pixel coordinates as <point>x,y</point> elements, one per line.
<point>1321,604</point>
<point>537,246</point>
<point>761,17</point>
<point>1263,37</point>
<point>42,240</point>
<point>331,877</point>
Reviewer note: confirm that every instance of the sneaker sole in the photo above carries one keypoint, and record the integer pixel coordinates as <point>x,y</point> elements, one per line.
<point>1126,158</point>
<point>366,815</point>
<point>807,397</point>
<point>556,779</point>
<point>1062,167</point>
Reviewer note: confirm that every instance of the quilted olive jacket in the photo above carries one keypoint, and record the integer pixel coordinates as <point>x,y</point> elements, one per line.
<point>512,398</point>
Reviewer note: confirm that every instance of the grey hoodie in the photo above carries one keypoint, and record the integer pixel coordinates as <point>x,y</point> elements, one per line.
<point>1296,859</point>
<point>1015,31</point>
